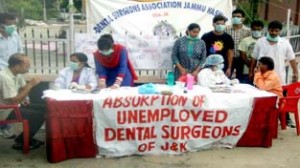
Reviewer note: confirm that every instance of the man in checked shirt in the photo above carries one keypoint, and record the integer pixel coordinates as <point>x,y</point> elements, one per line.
<point>238,31</point>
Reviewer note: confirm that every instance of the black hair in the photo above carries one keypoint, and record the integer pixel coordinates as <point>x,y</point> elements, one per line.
<point>193,26</point>
<point>6,16</point>
<point>105,42</point>
<point>81,57</point>
<point>219,18</point>
<point>275,25</point>
<point>238,11</point>
<point>208,66</point>
<point>257,23</point>
<point>108,36</point>
<point>187,32</point>
<point>15,59</point>
<point>267,61</point>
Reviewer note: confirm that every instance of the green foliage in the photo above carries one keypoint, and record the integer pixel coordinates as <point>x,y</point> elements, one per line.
<point>251,9</point>
<point>29,8</point>
<point>77,3</point>
<point>32,9</point>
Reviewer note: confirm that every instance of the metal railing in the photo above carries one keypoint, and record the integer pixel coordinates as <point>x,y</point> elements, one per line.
<point>49,50</point>
<point>293,36</point>
<point>295,41</point>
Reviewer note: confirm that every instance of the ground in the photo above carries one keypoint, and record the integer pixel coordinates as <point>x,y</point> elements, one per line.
<point>285,153</point>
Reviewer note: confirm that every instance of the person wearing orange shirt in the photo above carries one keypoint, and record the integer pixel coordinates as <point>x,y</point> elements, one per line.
<point>266,78</point>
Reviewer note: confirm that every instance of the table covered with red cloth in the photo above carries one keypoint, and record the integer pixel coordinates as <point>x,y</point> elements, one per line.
<point>69,126</point>
<point>69,130</point>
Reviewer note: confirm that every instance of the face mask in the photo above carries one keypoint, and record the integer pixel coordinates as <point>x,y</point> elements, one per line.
<point>192,38</point>
<point>220,28</point>
<point>256,34</point>
<point>106,52</point>
<point>220,66</point>
<point>236,20</point>
<point>273,39</point>
<point>74,65</point>
<point>10,29</point>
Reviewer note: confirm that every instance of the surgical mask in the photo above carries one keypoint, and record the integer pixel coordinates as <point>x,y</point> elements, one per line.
<point>256,34</point>
<point>106,52</point>
<point>273,39</point>
<point>236,20</point>
<point>220,28</point>
<point>74,65</point>
<point>192,38</point>
<point>220,66</point>
<point>9,30</point>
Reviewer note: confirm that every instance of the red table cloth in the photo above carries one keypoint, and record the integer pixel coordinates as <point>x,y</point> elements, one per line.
<point>69,126</point>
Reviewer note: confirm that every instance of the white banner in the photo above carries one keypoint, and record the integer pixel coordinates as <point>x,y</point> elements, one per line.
<point>153,17</point>
<point>148,28</point>
<point>163,124</point>
<point>145,52</point>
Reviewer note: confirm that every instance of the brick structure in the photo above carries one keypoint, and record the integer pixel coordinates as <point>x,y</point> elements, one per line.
<point>277,10</point>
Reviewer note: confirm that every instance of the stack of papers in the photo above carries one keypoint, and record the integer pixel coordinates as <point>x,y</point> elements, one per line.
<point>220,89</point>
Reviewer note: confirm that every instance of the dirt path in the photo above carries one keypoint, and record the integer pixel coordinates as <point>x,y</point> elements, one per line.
<point>285,153</point>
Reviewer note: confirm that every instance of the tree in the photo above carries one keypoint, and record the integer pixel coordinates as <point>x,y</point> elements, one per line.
<point>31,9</point>
<point>254,4</point>
<point>251,9</point>
<point>3,7</point>
<point>77,3</point>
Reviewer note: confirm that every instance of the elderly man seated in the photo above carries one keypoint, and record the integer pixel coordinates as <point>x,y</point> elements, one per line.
<point>14,89</point>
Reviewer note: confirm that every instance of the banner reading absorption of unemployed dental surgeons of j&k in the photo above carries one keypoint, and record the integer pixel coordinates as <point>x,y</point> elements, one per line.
<point>168,124</point>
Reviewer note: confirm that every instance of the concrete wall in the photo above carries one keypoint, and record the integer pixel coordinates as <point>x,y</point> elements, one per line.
<point>277,10</point>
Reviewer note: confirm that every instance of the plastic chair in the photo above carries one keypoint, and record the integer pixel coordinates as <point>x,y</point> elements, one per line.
<point>289,104</point>
<point>292,89</point>
<point>18,119</point>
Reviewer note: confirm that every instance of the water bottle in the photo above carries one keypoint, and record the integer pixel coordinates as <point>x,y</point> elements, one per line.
<point>170,79</point>
<point>190,81</point>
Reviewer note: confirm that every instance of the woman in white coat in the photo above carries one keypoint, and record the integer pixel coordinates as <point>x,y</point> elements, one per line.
<point>212,73</point>
<point>77,75</point>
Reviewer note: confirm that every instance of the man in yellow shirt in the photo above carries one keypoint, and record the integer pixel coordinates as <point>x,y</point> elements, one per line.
<point>246,47</point>
<point>14,89</point>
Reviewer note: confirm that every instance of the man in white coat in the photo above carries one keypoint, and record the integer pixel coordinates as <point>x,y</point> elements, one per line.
<point>280,50</point>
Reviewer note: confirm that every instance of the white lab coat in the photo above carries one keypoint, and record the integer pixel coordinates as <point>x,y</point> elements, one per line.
<point>87,77</point>
<point>280,52</point>
<point>207,77</point>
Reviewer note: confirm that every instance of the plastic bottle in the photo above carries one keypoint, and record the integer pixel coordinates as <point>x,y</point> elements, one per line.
<point>170,79</point>
<point>190,81</point>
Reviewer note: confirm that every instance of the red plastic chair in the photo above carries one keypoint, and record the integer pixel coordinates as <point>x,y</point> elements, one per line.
<point>289,104</point>
<point>18,119</point>
<point>292,89</point>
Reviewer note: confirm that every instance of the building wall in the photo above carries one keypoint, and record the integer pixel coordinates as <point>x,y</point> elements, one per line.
<point>277,10</point>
